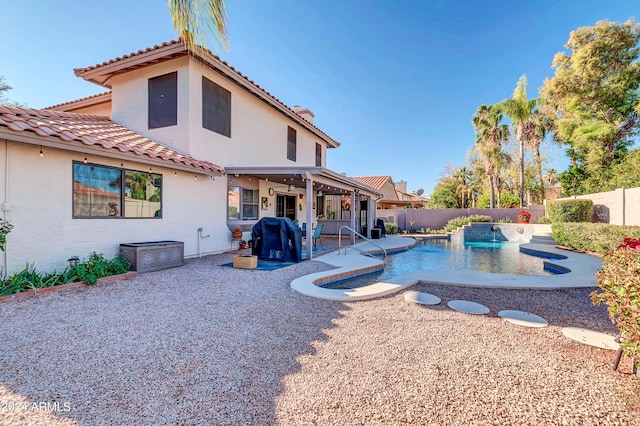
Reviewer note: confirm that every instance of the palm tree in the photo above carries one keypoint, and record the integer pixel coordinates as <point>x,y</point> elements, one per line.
<point>464,175</point>
<point>543,125</point>
<point>490,135</point>
<point>551,178</point>
<point>193,19</point>
<point>520,109</point>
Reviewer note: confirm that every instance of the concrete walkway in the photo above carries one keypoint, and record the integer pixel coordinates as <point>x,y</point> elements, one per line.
<point>582,269</point>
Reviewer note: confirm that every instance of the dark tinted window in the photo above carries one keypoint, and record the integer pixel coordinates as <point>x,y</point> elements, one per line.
<point>318,155</point>
<point>216,108</point>
<point>163,100</point>
<point>291,144</point>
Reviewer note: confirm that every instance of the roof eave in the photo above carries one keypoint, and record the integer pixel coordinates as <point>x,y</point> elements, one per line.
<point>78,146</point>
<point>103,73</point>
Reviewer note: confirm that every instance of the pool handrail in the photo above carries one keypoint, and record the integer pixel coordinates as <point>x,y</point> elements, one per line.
<point>353,246</point>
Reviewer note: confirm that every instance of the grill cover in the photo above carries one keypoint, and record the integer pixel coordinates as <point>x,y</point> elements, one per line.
<point>277,238</point>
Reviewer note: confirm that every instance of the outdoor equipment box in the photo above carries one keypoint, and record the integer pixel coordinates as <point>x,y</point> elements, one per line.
<point>153,256</point>
<point>245,262</point>
<point>375,234</point>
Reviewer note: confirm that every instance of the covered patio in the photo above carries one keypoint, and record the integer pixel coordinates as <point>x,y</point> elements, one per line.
<point>310,195</point>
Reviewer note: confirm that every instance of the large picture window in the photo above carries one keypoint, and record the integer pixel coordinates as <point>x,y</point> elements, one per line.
<point>243,203</point>
<point>163,100</point>
<point>216,108</point>
<point>111,192</point>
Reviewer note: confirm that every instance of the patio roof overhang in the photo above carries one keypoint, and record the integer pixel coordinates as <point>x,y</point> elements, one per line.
<point>331,183</point>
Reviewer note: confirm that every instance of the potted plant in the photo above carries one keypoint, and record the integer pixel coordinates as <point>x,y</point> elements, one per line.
<point>524,216</point>
<point>236,234</point>
<point>243,244</point>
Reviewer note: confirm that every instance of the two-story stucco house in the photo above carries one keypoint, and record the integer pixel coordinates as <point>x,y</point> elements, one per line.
<point>181,147</point>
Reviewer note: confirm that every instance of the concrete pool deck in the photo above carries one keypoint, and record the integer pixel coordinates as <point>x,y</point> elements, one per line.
<point>582,266</point>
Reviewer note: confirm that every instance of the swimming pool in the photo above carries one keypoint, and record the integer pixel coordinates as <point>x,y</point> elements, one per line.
<point>497,257</point>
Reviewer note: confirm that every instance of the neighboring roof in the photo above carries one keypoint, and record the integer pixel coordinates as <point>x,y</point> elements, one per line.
<point>383,184</point>
<point>93,130</point>
<point>376,182</point>
<point>82,102</point>
<point>103,73</point>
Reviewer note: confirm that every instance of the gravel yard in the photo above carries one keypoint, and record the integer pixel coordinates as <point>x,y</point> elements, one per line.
<point>207,344</point>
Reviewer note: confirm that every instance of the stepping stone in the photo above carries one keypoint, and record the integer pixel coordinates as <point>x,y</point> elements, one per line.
<point>468,307</point>
<point>524,319</point>
<point>591,337</point>
<point>421,298</point>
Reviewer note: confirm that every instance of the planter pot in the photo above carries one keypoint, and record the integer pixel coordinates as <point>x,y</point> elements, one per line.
<point>522,221</point>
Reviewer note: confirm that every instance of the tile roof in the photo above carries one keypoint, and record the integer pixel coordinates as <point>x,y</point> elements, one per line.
<point>375,182</point>
<point>102,73</point>
<point>95,130</point>
<point>104,96</point>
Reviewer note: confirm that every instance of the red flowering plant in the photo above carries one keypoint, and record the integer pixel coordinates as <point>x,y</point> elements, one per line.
<point>524,216</point>
<point>619,282</point>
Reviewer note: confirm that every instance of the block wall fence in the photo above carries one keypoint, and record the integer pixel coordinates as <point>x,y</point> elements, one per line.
<point>437,218</point>
<point>619,207</point>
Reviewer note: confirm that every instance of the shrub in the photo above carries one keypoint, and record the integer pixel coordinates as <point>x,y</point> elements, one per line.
<point>89,271</point>
<point>569,210</point>
<point>5,228</point>
<point>391,228</point>
<point>597,238</point>
<point>96,267</point>
<point>504,220</point>
<point>544,220</point>
<point>619,281</point>
<point>458,222</point>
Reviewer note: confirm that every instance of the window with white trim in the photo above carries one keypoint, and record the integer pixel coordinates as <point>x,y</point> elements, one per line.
<point>242,203</point>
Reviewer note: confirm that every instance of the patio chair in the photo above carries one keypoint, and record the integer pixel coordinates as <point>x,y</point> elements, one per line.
<point>380,225</point>
<point>316,235</point>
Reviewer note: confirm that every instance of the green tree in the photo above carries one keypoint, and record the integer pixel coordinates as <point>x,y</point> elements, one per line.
<point>4,88</point>
<point>194,19</point>
<point>490,135</point>
<point>464,175</point>
<point>520,109</point>
<point>444,194</point>
<point>594,99</point>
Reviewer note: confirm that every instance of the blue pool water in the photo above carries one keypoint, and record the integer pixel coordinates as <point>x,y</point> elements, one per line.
<point>497,257</point>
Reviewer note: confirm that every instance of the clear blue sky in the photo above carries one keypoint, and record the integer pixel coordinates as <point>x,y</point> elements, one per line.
<point>395,82</point>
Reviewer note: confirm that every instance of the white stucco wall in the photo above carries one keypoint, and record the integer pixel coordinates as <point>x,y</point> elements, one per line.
<point>258,131</point>
<point>45,234</point>
<point>130,104</point>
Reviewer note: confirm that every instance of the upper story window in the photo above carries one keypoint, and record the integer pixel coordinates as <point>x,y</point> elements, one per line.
<point>291,144</point>
<point>318,155</point>
<point>216,108</point>
<point>163,100</point>
<point>102,191</point>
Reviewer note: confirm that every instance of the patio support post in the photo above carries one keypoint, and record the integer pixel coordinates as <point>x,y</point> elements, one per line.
<point>353,216</point>
<point>309,231</point>
<point>372,213</point>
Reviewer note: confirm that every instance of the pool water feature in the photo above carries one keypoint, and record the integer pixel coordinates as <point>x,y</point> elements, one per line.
<point>502,257</point>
